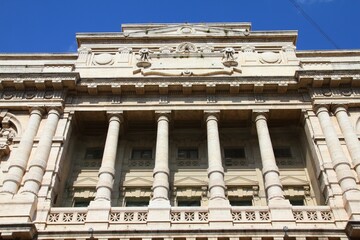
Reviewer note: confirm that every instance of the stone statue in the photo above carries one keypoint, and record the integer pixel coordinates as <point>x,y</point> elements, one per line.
<point>144,60</point>
<point>228,57</point>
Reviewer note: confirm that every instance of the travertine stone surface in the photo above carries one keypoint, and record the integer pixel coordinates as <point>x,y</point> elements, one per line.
<point>270,170</point>
<point>352,140</point>
<point>107,169</point>
<point>215,170</point>
<point>33,178</point>
<point>19,162</point>
<point>161,170</point>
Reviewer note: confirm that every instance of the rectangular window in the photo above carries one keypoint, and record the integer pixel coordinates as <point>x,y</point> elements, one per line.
<point>234,152</point>
<point>282,152</point>
<point>94,153</point>
<point>234,157</point>
<point>137,202</point>
<point>141,154</point>
<point>187,154</point>
<point>189,202</point>
<point>82,202</point>
<point>241,202</point>
<point>296,201</point>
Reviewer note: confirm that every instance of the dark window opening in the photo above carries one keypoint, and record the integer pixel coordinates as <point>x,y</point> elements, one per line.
<point>188,153</point>
<point>94,153</point>
<point>241,202</point>
<point>235,153</point>
<point>141,154</point>
<point>297,201</point>
<point>282,152</point>
<point>82,202</point>
<point>190,202</point>
<point>137,202</point>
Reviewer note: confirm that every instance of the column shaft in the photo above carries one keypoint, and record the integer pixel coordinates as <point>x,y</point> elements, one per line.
<point>341,165</point>
<point>350,136</point>
<point>161,170</point>
<point>215,170</point>
<point>21,155</point>
<point>107,169</point>
<point>38,164</point>
<point>270,170</point>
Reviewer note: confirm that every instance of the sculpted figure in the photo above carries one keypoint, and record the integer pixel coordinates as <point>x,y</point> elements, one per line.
<point>144,55</point>
<point>228,54</point>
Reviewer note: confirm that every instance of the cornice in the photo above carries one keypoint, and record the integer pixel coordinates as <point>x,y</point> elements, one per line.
<point>40,81</point>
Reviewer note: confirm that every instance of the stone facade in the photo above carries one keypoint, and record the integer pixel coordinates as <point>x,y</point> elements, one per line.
<point>181,132</point>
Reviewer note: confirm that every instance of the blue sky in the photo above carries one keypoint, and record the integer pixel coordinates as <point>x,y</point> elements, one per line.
<point>50,25</point>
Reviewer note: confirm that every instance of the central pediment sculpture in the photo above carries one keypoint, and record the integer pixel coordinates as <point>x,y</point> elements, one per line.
<point>187,59</point>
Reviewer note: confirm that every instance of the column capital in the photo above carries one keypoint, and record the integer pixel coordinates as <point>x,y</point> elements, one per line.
<point>163,115</point>
<point>115,115</point>
<point>339,107</point>
<point>37,110</point>
<point>212,115</point>
<point>321,108</point>
<point>260,114</point>
<point>55,110</point>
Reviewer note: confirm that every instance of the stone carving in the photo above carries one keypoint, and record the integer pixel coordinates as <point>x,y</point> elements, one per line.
<point>270,57</point>
<point>206,49</point>
<point>144,60</point>
<point>186,47</point>
<point>166,50</point>
<point>103,59</point>
<point>186,30</point>
<point>228,57</point>
<point>229,72</point>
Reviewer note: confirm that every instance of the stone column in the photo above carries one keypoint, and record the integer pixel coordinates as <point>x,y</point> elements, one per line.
<point>350,136</point>
<point>270,170</point>
<point>107,169</point>
<point>161,169</point>
<point>346,179</point>
<point>34,176</point>
<point>215,170</point>
<point>341,164</point>
<point>19,161</point>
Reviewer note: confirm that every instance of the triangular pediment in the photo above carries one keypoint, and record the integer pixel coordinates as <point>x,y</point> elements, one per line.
<point>186,181</point>
<point>241,180</point>
<point>86,181</point>
<point>138,181</point>
<point>291,180</point>
<point>189,30</point>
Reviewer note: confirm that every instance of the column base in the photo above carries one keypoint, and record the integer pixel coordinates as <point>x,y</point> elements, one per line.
<point>281,213</point>
<point>18,209</point>
<point>159,214</point>
<point>98,214</point>
<point>220,213</point>
<point>352,206</point>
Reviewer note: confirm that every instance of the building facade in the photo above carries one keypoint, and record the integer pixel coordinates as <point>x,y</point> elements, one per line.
<point>181,132</point>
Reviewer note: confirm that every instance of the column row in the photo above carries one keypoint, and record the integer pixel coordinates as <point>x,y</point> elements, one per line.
<point>161,184</point>
<point>37,166</point>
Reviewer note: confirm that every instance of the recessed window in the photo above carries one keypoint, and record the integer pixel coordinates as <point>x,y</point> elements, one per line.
<point>141,154</point>
<point>282,152</point>
<point>82,202</point>
<point>94,153</point>
<point>188,202</point>
<point>137,202</point>
<point>241,202</point>
<point>234,153</point>
<point>296,201</point>
<point>188,153</point>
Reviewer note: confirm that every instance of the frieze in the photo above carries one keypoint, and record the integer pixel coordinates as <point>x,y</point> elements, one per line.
<point>334,93</point>
<point>32,94</point>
